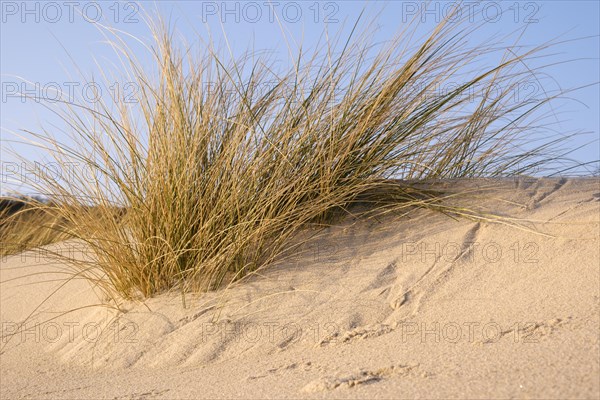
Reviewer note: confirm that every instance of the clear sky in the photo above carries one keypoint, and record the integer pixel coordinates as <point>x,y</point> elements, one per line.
<point>46,42</point>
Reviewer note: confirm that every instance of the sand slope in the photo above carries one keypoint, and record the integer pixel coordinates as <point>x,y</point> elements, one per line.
<point>400,307</point>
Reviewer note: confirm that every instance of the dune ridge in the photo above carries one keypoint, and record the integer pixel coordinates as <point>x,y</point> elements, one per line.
<point>421,305</point>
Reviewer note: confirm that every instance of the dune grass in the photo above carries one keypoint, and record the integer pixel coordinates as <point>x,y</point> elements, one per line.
<point>214,183</point>
<point>27,223</point>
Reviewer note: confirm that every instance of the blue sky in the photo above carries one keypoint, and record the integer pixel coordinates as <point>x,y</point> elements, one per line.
<point>46,43</point>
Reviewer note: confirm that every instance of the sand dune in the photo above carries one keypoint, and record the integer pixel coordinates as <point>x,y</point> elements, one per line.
<point>421,305</point>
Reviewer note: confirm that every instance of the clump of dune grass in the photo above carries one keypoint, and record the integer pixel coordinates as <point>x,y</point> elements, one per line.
<point>215,181</point>
<point>26,223</point>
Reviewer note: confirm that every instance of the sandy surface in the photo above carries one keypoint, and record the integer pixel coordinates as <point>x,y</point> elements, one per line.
<point>421,306</point>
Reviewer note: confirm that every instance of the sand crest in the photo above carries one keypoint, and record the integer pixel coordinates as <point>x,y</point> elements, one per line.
<point>418,306</point>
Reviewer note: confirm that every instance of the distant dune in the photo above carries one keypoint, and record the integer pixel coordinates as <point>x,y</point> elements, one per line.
<point>415,306</point>
<point>10,206</point>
